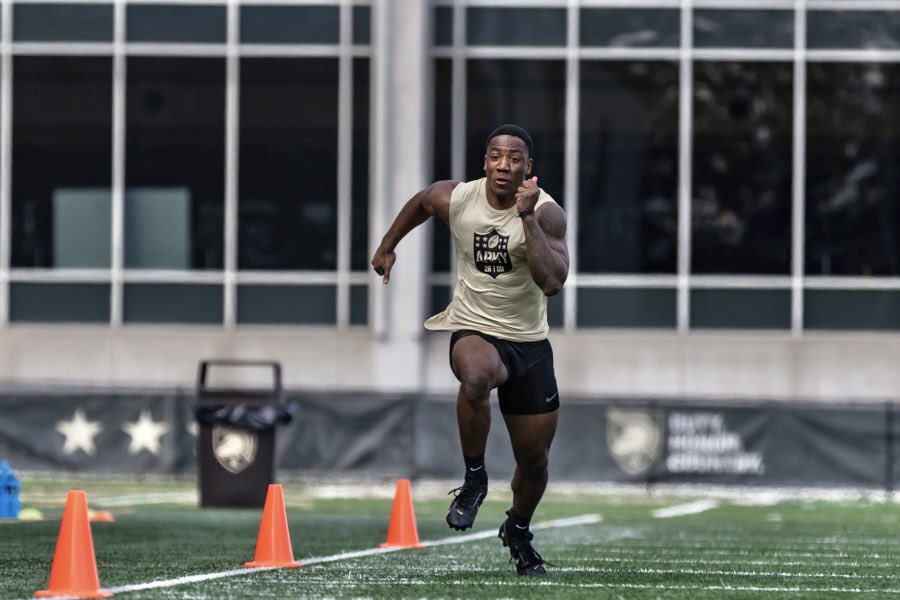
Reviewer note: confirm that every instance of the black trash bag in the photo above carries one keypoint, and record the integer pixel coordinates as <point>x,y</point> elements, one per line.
<point>257,417</point>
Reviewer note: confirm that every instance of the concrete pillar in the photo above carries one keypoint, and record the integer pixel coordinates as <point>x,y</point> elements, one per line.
<point>401,97</point>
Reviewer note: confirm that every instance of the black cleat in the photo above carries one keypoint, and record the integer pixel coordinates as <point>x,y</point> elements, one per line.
<point>521,552</point>
<point>465,505</point>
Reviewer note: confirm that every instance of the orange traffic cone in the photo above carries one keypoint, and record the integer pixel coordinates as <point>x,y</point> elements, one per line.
<point>100,516</point>
<point>74,571</point>
<point>273,546</point>
<point>402,529</point>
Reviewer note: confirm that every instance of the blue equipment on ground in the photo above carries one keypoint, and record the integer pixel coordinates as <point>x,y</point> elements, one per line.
<point>9,493</point>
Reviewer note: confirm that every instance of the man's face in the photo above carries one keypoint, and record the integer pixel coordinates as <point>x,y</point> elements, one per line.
<point>506,164</point>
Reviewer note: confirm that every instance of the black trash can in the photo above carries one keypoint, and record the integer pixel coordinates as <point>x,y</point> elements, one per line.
<point>236,441</point>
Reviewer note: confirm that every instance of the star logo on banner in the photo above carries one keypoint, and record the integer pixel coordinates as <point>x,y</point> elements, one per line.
<point>79,433</point>
<point>145,433</point>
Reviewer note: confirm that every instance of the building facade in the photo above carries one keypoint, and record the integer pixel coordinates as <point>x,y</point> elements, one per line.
<point>206,179</point>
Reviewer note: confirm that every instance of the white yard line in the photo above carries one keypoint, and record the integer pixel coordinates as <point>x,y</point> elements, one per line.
<point>680,510</point>
<point>662,587</point>
<point>737,559</point>
<point>726,573</point>
<point>142,499</point>
<point>842,546</point>
<point>729,588</point>
<point>625,570</point>
<point>166,583</point>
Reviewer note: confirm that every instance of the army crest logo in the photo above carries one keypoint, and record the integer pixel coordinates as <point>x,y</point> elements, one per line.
<point>491,253</point>
<point>235,449</point>
<point>634,438</point>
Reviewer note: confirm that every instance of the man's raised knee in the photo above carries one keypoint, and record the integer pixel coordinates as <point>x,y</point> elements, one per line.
<point>476,385</point>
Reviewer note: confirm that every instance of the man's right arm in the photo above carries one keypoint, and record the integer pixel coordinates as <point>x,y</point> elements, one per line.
<point>433,201</point>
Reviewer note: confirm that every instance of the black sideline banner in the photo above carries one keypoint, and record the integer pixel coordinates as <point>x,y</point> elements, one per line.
<point>600,439</point>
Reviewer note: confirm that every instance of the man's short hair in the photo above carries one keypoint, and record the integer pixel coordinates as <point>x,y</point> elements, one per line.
<point>513,130</point>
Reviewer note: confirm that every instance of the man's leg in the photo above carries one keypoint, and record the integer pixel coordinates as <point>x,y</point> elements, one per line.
<point>479,369</point>
<point>531,436</point>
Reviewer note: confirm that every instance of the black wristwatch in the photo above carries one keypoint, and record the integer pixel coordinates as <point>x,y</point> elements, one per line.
<point>526,212</point>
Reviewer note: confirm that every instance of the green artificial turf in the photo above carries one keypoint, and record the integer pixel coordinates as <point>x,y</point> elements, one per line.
<point>791,549</point>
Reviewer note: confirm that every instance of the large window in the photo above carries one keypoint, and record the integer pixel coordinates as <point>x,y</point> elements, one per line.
<point>62,167</point>
<point>853,169</point>
<point>741,210</point>
<point>699,201</point>
<point>175,167</point>
<point>187,163</point>
<point>288,176</point>
<point>628,167</point>
<point>853,174</point>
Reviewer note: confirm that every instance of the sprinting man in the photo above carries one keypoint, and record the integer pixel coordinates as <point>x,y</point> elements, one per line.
<point>511,254</point>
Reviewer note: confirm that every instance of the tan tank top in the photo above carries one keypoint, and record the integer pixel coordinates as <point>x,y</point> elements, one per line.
<point>494,291</point>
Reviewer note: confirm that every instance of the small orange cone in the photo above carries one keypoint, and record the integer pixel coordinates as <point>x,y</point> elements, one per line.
<point>273,546</point>
<point>402,529</point>
<point>74,571</point>
<point>100,516</point>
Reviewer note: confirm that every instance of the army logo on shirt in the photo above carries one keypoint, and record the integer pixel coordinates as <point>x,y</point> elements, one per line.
<point>491,254</point>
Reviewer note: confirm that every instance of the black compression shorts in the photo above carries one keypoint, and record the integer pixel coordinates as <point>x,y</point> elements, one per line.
<point>530,388</point>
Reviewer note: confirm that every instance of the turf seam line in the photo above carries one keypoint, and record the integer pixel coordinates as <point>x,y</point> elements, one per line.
<point>569,522</point>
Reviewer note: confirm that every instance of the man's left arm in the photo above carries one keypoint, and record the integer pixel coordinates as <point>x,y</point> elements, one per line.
<point>545,238</point>
<point>545,243</point>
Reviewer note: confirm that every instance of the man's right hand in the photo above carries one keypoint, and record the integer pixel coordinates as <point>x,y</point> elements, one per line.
<point>430,202</point>
<point>383,261</point>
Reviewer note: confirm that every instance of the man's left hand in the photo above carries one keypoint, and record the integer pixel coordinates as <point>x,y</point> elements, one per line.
<point>527,195</point>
